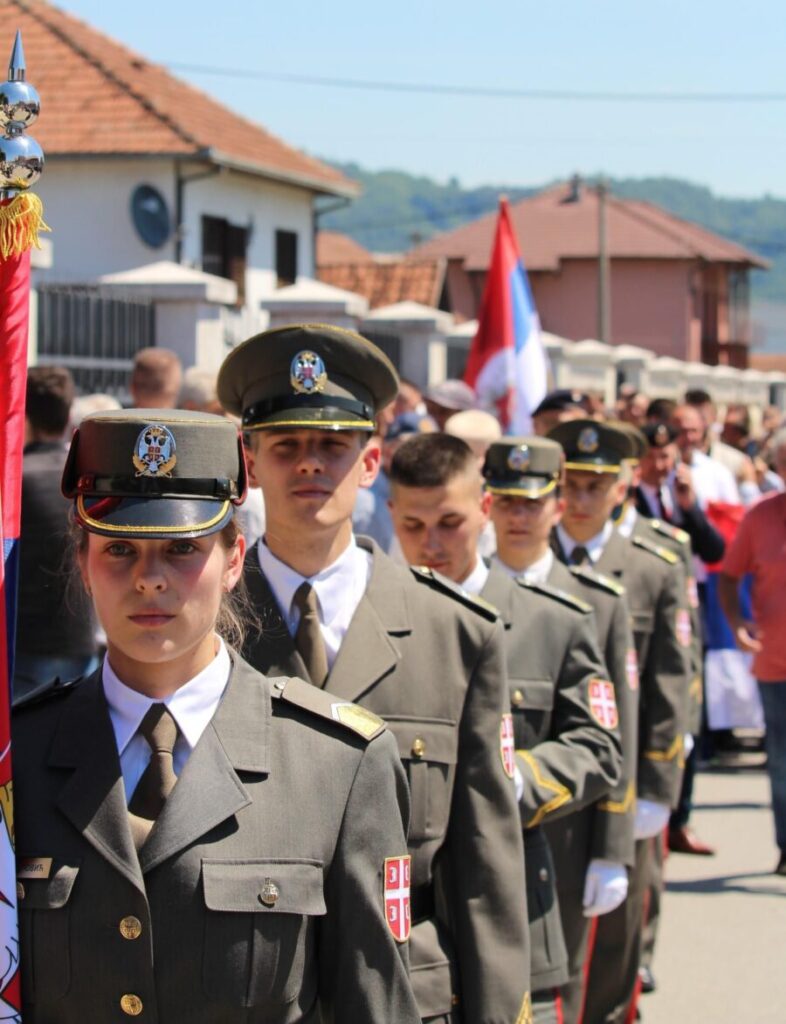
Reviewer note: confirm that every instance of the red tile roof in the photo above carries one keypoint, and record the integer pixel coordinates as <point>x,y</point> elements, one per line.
<point>385,282</point>
<point>549,230</point>
<point>98,97</point>
<point>334,247</point>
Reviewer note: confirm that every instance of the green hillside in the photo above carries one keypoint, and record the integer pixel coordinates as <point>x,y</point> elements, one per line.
<point>398,210</point>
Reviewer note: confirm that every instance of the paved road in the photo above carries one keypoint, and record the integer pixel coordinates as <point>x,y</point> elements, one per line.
<point>721,954</point>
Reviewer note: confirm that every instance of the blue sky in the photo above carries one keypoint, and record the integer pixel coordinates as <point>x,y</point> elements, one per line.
<point>737,148</point>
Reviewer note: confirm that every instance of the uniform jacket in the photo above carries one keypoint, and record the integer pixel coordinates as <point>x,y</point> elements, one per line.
<point>566,757</point>
<point>707,542</point>
<point>656,597</point>
<point>433,668</point>
<point>274,794</point>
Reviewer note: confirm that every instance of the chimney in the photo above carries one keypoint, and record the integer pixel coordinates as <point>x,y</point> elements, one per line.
<point>573,194</point>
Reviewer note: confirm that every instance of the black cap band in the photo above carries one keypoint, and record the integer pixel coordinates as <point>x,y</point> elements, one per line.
<point>149,487</point>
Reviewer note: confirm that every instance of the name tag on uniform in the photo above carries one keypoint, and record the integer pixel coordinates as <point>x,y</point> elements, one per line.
<point>34,867</point>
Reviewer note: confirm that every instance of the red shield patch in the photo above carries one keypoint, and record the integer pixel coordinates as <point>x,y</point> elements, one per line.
<point>397,907</point>
<point>684,631</point>
<point>632,669</point>
<point>507,745</point>
<point>603,703</point>
<point>692,591</point>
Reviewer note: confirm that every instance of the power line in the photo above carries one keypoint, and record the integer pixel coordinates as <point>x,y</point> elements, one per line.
<point>485,92</point>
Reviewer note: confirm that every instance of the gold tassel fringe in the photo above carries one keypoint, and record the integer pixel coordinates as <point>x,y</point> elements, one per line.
<point>20,222</point>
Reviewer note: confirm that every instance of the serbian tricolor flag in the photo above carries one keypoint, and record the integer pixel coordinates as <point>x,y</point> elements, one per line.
<point>733,700</point>
<point>507,365</point>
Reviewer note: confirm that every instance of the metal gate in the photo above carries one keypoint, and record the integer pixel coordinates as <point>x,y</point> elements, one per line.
<point>94,333</point>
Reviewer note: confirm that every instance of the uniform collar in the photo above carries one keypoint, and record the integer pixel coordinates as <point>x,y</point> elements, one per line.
<point>192,705</point>
<point>538,572</point>
<point>476,580</point>
<point>627,521</point>
<point>594,545</point>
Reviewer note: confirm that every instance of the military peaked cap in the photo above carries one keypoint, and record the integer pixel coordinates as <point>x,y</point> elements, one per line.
<point>525,466</point>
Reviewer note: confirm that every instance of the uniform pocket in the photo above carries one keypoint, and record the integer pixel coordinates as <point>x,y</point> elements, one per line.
<point>549,955</point>
<point>260,924</point>
<point>428,747</point>
<point>532,704</point>
<point>44,932</point>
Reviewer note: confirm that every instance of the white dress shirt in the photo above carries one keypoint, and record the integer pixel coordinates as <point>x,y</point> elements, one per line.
<point>339,589</point>
<point>538,572</point>
<point>660,501</point>
<point>192,706</point>
<point>476,580</point>
<point>594,545</point>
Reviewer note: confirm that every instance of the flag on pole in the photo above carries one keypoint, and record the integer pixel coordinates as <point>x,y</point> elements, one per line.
<point>21,218</point>
<point>507,364</point>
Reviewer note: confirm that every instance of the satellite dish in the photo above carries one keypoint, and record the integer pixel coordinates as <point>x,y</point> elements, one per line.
<point>150,215</point>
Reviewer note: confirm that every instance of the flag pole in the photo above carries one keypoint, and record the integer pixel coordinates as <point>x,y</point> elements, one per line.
<point>21,220</point>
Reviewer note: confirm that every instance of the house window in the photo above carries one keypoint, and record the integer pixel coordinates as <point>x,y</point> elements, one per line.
<point>224,252</point>
<point>286,257</point>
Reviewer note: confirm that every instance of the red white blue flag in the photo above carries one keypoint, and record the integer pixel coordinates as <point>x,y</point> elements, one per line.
<point>507,365</point>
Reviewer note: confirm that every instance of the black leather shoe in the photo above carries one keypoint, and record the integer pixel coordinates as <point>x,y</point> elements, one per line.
<point>647,979</point>
<point>781,868</point>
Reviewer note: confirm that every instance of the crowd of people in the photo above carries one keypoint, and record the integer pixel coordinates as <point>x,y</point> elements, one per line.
<point>379,713</point>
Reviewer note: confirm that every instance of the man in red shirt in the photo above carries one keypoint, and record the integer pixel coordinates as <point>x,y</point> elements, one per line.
<point>760,548</point>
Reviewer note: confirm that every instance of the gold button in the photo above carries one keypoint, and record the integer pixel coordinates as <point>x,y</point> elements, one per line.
<point>517,699</point>
<point>20,891</point>
<point>130,927</point>
<point>454,1000</point>
<point>270,893</point>
<point>131,1004</point>
<point>543,875</point>
<point>418,747</point>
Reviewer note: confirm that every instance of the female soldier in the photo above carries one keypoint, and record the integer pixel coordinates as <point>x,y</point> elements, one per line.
<point>197,842</point>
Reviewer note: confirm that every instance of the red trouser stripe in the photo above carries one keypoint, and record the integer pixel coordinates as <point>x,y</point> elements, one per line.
<point>558,1007</point>
<point>630,1016</point>
<point>593,934</point>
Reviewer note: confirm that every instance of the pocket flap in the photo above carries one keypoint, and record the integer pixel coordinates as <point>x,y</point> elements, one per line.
<point>50,893</point>
<point>424,739</point>
<point>264,886</point>
<point>528,694</point>
<point>642,622</point>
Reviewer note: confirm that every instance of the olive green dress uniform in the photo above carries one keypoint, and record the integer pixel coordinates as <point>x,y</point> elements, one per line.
<point>230,908</point>
<point>553,655</point>
<point>604,830</point>
<point>430,662</point>
<point>656,594</point>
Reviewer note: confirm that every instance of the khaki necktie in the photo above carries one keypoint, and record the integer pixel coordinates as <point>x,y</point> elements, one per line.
<point>308,638</point>
<point>580,555</point>
<point>158,780</point>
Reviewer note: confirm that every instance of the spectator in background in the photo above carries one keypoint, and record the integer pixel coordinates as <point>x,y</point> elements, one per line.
<point>557,407</point>
<point>633,408</point>
<point>711,480</point>
<point>736,431</point>
<point>409,399</point>
<point>155,379</point>
<point>86,405</point>
<point>55,626</point>
<point>442,400</point>
<point>198,391</point>
<point>660,410</point>
<point>476,428</point>
<point>736,461</point>
<point>760,549</point>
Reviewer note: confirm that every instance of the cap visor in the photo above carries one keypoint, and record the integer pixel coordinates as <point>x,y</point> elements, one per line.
<point>154,518</point>
<point>593,467</point>
<point>526,487</point>
<point>320,419</point>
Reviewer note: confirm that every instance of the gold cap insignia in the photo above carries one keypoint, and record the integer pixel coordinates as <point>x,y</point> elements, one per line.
<point>519,458</point>
<point>155,451</point>
<point>588,441</point>
<point>307,374</point>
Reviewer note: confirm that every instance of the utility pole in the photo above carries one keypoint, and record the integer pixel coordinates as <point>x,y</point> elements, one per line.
<point>604,277</point>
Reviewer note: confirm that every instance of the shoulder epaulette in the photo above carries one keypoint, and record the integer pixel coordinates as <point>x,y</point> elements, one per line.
<point>667,530</point>
<point>656,549</point>
<point>558,595</point>
<point>598,579</point>
<point>44,693</point>
<point>454,590</point>
<point>361,721</point>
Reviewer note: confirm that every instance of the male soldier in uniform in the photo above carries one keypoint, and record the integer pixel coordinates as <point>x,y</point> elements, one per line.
<point>564,715</point>
<point>596,483</point>
<point>592,848</point>
<point>406,645</point>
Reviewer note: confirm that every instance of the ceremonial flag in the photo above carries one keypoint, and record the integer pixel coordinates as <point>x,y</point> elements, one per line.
<point>20,221</point>
<point>507,364</point>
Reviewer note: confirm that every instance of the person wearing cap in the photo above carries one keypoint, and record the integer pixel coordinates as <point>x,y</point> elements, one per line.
<point>593,847</point>
<point>597,480</point>
<point>447,398</point>
<point>407,645</point>
<point>179,856</point>
<point>558,407</point>
<point>562,740</point>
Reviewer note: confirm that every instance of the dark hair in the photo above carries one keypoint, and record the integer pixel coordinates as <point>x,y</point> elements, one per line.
<point>698,396</point>
<point>50,393</point>
<point>660,410</point>
<point>430,460</point>
<point>740,417</point>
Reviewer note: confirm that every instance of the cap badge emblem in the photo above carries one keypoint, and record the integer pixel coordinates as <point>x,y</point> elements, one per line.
<point>154,454</point>
<point>307,374</point>
<point>519,458</point>
<point>588,441</point>
<point>661,435</point>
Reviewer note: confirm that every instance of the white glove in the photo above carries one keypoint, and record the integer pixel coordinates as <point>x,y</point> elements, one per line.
<point>651,819</point>
<point>605,887</point>
<point>688,743</point>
